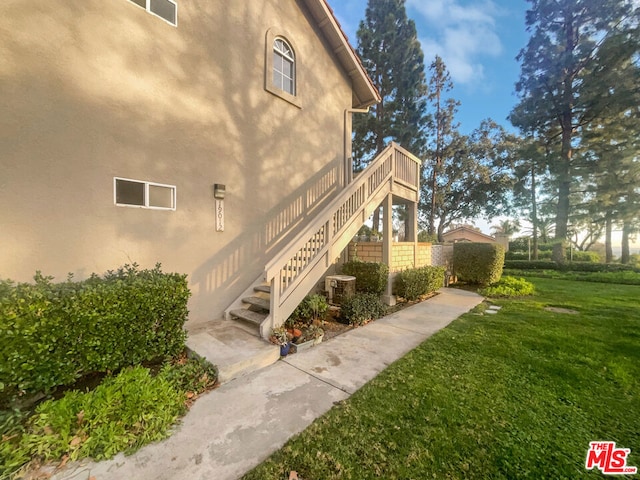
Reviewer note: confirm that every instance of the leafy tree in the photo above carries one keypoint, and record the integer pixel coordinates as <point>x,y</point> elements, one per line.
<point>565,73</point>
<point>444,127</point>
<point>391,53</point>
<point>610,160</point>
<point>630,230</point>
<point>475,178</point>
<point>531,165</point>
<point>507,227</point>
<point>546,229</point>
<point>615,177</point>
<point>585,234</point>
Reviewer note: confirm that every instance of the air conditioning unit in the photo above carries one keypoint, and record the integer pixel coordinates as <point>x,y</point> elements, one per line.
<point>339,287</point>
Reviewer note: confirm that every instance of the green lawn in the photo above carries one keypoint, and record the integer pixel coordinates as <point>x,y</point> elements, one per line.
<point>515,395</point>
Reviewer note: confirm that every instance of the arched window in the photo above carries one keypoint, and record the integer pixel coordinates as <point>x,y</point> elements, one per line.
<point>284,66</point>
<point>282,70</point>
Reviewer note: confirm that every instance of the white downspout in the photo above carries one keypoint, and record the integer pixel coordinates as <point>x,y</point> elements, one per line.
<point>348,154</point>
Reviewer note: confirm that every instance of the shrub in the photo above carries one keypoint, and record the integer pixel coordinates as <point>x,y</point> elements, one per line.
<point>531,264</point>
<point>426,237</point>
<point>312,307</point>
<point>579,256</point>
<point>415,282</point>
<point>511,255</point>
<point>521,244</point>
<point>11,430</point>
<point>569,266</point>
<point>53,334</point>
<point>361,308</point>
<point>509,287</point>
<point>478,263</point>
<point>594,267</point>
<point>194,374</point>
<point>519,252</point>
<point>371,277</point>
<point>124,413</point>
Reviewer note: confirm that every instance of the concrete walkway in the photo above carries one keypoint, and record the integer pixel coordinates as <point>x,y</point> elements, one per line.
<point>237,426</point>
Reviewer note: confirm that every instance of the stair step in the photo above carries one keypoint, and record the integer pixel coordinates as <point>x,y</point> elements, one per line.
<point>263,288</point>
<point>258,302</point>
<point>250,316</point>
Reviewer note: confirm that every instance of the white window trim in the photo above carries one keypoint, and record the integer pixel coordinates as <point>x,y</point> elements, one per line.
<point>287,54</point>
<point>148,9</point>
<point>269,86</point>
<point>146,194</point>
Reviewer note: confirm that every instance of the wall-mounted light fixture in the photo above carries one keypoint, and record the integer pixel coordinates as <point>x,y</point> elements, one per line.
<point>219,191</point>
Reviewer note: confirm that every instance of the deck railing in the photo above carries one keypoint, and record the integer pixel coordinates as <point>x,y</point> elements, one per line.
<point>300,265</point>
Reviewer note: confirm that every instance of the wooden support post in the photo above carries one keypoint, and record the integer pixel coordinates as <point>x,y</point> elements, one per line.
<point>387,235</point>
<point>411,229</point>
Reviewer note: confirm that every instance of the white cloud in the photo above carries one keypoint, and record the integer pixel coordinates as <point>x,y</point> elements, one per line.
<point>462,35</point>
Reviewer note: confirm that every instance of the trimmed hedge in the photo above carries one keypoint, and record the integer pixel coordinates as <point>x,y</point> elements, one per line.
<point>578,256</point>
<point>569,266</point>
<point>415,282</point>
<point>371,277</point>
<point>531,264</point>
<point>52,334</point>
<point>478,263</point>
<point>360,308</point>
<point>546,255</point>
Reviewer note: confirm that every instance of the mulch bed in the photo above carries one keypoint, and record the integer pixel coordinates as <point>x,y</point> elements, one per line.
<point>333,326</point>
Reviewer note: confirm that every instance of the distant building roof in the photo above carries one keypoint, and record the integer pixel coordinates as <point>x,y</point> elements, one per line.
<point>466,234</point>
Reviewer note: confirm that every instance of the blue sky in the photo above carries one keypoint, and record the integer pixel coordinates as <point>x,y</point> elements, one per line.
<point>478,41</point>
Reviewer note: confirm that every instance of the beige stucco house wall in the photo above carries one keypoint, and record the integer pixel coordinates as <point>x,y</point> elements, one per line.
<point>91,90</point>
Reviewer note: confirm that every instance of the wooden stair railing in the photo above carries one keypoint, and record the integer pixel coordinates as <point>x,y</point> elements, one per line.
<point>297,268</point>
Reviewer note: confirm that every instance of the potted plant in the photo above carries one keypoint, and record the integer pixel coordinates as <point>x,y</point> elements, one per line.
<point>290,324</point>
<point>305,341</point>
<point>280,336</point>
<point>311,335</point>
<point>316,333</point>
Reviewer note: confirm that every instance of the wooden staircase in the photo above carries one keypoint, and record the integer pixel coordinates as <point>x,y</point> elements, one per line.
<point>297,268</point>
<point>255,311</point>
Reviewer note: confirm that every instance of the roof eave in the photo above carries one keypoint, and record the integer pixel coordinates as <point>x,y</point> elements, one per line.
<point>365,93</point>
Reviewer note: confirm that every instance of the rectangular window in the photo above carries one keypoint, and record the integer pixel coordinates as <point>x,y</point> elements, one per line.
<point>135,193</point>
<point>165,9</point>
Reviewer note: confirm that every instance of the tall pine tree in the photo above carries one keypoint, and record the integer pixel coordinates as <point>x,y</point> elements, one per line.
<point>556,65</point>
<point>444,131</point>
<point>391,53</point>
